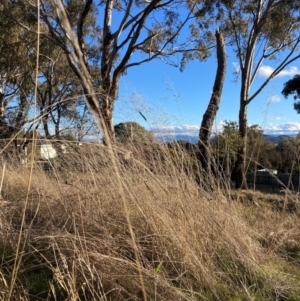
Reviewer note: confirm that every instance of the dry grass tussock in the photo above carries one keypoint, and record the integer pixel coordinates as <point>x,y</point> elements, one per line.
<point>70,238</point>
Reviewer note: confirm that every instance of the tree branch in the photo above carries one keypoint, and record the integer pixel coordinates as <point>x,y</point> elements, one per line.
<point>130,48</point>
<point>80,24</point>
<point>117,34</point>
<point>284,64</point>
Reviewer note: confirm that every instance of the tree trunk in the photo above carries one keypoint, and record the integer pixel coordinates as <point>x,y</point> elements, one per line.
<point>45,119</point>
<point>57,122</point>
<point>211,111</point>
<point>23,111</point>
<point>108,119</point>
<point>2,110</point>
<point>110,91</point>
<point>240,165</point>
<point>110,88</point>
<point>104,115</point>
<point>46,128</point>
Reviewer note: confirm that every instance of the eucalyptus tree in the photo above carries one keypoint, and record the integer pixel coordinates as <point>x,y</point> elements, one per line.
<point>132,33</point>
<point>212,108</point>
<point>289,155</point>
<point>15,68</point>
<point>225,144</point>
<point>258,31</point>
<point>59,99</point>
<point>292,87</point>
<point>260,153</point>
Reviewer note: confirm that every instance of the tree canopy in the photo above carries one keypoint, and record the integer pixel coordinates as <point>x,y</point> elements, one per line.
<point>292,87</point>
<point>260,152</point>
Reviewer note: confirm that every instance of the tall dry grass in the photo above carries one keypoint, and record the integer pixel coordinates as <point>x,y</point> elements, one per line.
<point>75,240</point>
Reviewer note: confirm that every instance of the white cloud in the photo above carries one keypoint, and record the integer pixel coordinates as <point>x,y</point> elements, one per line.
<point>289,128</point>
<point>192,131</point>
<point>274,99</point>
<point>189,130</point>
<point>266,71</point>
<point>181,132</point>
<point>186,129</point>
<point>275,117</point>
<point>292,71</point>
<point>91,138</point>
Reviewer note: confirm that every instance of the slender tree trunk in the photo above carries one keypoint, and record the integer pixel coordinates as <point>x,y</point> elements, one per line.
<point>57,121</point>
<point>108,98</point>
<point>46,128</point>
<point>2,110</point>
<point>22,113</point>
<point>110,88</point>
<point>239,172</point>
<point>212,109</point>
<point>24,104</point>
<point>45,119</point>
<point>240,165</point>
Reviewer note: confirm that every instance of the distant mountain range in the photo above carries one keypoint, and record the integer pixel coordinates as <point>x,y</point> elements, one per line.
<point>193,138</point>
<point>275,139</point>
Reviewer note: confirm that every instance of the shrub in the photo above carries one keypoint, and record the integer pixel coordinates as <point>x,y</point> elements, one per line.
<point>132,132</point>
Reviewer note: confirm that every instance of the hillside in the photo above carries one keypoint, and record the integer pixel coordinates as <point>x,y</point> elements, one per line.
<point>275,139</point>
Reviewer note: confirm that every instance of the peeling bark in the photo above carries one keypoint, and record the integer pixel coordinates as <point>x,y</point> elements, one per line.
<point>212,109</point>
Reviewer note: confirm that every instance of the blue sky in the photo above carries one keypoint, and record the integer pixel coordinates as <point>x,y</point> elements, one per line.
<point>175,101</point>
